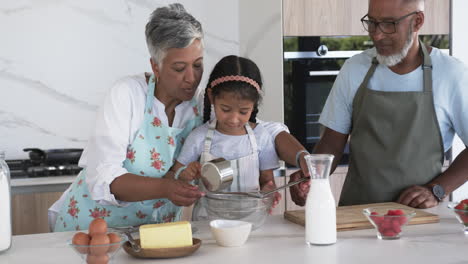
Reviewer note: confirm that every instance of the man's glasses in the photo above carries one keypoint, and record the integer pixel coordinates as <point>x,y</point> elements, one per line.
<point>387,27</point>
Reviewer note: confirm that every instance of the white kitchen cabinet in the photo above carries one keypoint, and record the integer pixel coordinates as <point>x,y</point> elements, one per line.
<point>342,17</point>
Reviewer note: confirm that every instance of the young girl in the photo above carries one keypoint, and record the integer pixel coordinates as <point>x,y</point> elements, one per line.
<point>234,92</point>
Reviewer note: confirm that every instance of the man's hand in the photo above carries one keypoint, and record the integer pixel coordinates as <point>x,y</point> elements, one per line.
<point>299,191</point>
<point>182,193</point>
<point>418,197</point>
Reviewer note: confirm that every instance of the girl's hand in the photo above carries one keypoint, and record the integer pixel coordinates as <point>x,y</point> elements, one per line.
<point>182,193</point>
<point>277,196</point>
<point>192,172</point>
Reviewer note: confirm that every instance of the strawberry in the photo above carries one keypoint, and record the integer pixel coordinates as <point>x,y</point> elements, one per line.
<point>398,212</point>
<point>463,205</point>
<point>389,233</point>
<point>396,226</point>
<point>391,212</point>
<point>381,230</point>
<point>377,219</point>
<point>387,223</point>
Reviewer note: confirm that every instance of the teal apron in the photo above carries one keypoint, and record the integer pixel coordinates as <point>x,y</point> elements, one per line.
<point>151,154</point>
<point>395,141</point>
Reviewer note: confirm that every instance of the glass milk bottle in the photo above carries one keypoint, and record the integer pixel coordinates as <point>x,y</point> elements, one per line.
<point>320,211</point>
<point>5,204</point>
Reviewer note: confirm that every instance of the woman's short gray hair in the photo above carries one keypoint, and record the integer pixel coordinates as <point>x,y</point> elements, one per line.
<point>171,27</point>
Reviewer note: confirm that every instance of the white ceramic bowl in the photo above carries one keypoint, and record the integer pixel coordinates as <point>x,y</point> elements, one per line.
<point>230,233</point>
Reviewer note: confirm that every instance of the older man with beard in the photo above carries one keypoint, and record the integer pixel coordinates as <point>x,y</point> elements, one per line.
<point>399,104</point>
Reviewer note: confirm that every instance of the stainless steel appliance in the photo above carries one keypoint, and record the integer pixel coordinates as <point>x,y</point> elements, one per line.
<point>46,163</point>
<point>308,81</point>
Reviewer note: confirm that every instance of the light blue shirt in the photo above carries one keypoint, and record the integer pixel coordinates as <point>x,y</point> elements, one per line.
<point>450,91</point>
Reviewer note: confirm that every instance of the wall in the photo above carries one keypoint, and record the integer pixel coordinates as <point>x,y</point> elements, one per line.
<point>59,57</point>
<point>459,50</point>
<point>261,39</point>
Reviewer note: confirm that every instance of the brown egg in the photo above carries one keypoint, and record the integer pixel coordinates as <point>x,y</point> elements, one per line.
<point>99,245</point>
<point>100,259</point>
<point>113,238</point>
<point>81,239</point>
<point>97,226</point>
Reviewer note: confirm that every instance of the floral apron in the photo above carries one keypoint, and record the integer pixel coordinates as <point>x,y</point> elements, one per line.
<point>151,154</point>
<point>246,169</point>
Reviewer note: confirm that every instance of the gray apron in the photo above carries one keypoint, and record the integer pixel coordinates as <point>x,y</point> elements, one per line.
<point>395,141</point>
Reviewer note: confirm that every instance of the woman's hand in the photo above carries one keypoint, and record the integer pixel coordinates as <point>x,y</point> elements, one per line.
<point>269,186</point>
<point>181,193</point>
<point>192,172</point>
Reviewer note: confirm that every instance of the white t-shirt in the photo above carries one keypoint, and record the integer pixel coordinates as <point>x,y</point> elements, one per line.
<point>117,123</point>
<point>450,91</point>
<point>230,147</point>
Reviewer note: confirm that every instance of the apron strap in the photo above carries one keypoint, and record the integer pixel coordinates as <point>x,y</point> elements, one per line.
<point>427,68</point>
<point>253,141</point>
<point>370,72</point>
<point>150,95</point>
<point>209,136</point>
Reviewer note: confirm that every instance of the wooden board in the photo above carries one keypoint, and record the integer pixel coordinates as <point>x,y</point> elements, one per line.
<point>352,218</point>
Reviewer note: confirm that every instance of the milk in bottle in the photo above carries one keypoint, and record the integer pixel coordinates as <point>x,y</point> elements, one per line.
<point>5,205</point>
<point>320,211</point>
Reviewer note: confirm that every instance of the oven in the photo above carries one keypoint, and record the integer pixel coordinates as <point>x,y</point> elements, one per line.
<point>309,77</point>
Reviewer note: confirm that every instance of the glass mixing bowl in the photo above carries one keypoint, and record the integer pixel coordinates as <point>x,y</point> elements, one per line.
<point>237,206</point>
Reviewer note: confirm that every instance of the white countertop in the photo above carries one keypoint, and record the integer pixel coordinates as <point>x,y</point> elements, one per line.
<point>36,181</point>
<point>41,184</point>
<point>280,241</point>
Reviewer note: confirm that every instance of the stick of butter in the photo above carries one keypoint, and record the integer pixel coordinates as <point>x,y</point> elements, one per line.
<point>166,235</point>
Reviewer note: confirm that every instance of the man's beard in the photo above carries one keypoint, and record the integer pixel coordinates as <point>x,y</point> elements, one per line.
<point>394,59</point>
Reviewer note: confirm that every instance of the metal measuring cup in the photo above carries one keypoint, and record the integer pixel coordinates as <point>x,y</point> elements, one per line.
<point>217,174</point>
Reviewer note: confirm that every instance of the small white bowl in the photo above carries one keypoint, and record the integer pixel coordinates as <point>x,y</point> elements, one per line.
<point>230,233</point>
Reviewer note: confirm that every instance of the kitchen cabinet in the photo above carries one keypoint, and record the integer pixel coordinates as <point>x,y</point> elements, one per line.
<point>30,212</point>
<point>342,17</point>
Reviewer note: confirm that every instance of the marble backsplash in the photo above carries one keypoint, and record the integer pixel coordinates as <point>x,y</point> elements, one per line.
<point>58,58</point>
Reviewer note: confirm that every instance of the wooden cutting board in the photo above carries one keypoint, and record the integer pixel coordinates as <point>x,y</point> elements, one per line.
<point>352,218</point>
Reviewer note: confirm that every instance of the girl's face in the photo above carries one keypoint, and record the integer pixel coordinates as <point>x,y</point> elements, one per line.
<point>232,113</point>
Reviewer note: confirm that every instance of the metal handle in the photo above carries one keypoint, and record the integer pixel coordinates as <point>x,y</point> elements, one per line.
<point>261,195</point>
<point>323,73</point>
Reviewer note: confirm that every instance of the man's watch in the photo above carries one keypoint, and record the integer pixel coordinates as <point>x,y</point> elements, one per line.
<point>437,190</point>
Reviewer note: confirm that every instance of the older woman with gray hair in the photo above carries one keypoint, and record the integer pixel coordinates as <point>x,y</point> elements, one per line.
<point>139,132</point>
